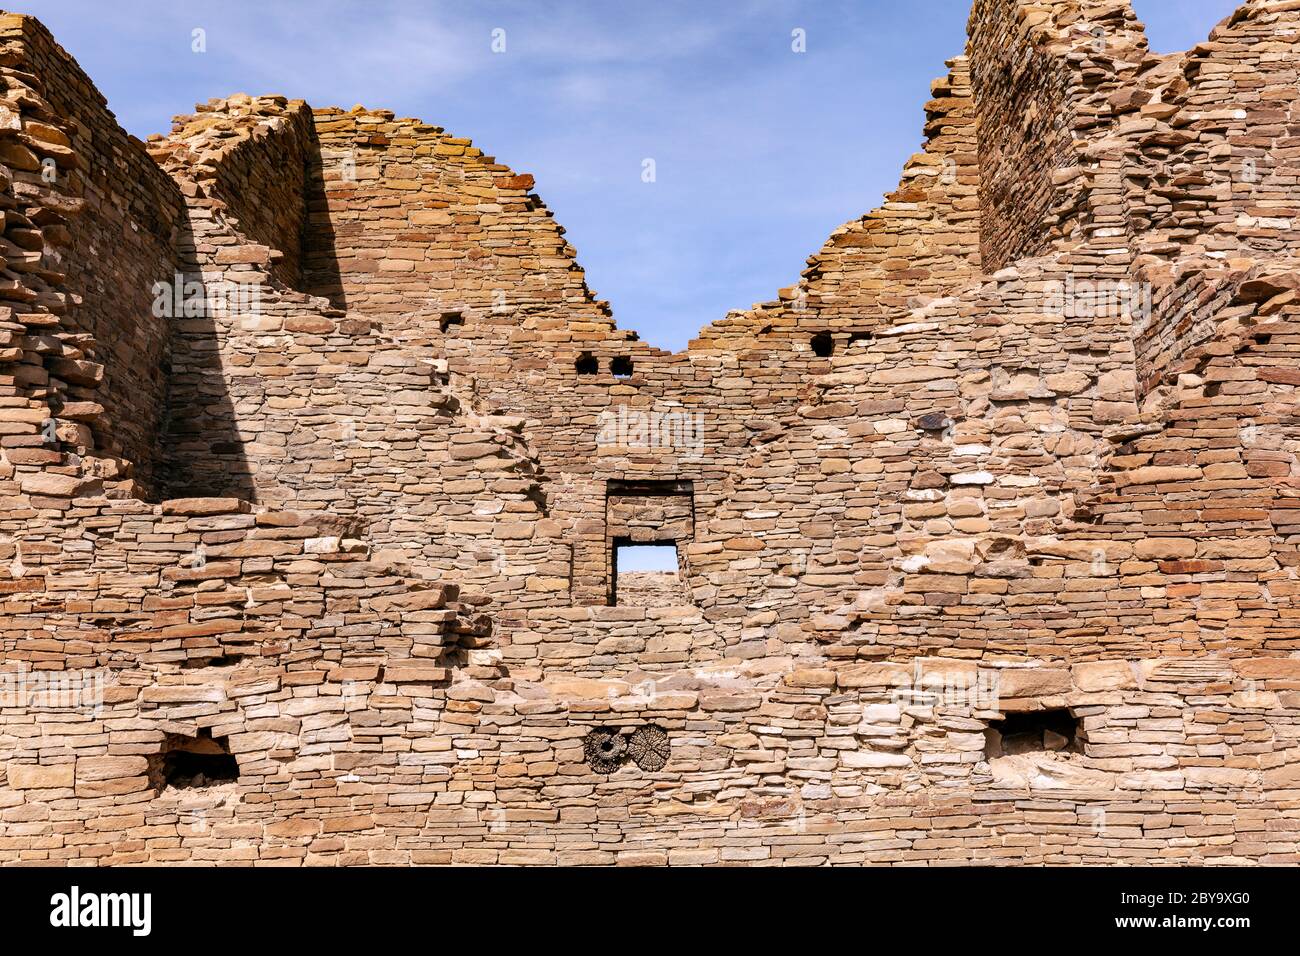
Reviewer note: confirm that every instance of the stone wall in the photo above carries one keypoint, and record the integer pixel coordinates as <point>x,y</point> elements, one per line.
<point>291,402</point>
<point>1022,95</point>
<point>255,173</point>
<point>987,526</point>
<point>1209,193</point>
<point>90,226</point>
<point>1045,92</point>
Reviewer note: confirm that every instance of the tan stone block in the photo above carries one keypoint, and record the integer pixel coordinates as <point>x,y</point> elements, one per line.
<point>30,776</point>
<point>1283,777</point>
<point>874,675</point>
<point>1165,548</point>
<point>204,506</point>
<point>1268,668</point>
<point>811,677</point>
<point>57,486</point>
<point>294,828</point>
<point>1033,682</point>
<point>574,688</point>
<point>1095,676</point>
<point>729,701</point>
<point>348,824</point>
<point>911,374</point>
<point>110,767</point>
<point>413,672</point>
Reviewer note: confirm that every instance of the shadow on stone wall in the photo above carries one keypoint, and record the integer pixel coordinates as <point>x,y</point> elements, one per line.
<point>201,452</point>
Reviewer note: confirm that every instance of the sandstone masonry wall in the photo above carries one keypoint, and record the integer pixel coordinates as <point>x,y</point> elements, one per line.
<point>936,492</point>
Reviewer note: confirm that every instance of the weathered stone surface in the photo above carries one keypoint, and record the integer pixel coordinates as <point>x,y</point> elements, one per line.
<point>1103,675</point>
<point>56,485</point>
<point>24,776</point>
<point>203,506</point>
<point>1032,681</point>
<point>985,529</point>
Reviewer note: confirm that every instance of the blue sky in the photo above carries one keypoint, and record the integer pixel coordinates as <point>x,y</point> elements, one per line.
<point>759,151</point>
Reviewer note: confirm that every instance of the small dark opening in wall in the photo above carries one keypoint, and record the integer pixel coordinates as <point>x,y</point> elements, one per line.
<point>1263,338</point>
<point>934,422</point>
<point>586,364</point>
<point>621,366</point>
<point>449,319</point>
<point>857,337</point>
<point>823,345</point>
<point>193,763</point>
<point>216,660</point>
<point>1213,389</point>
<point>1034,731</point>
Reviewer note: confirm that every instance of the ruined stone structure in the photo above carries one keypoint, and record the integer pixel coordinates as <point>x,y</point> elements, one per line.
<point>317,454</point>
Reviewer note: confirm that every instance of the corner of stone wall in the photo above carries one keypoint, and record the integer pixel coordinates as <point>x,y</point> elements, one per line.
<point>81,351</point>
<point>1042,75</point>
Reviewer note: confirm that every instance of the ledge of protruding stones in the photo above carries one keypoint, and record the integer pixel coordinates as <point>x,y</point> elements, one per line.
<point>49,484</point>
